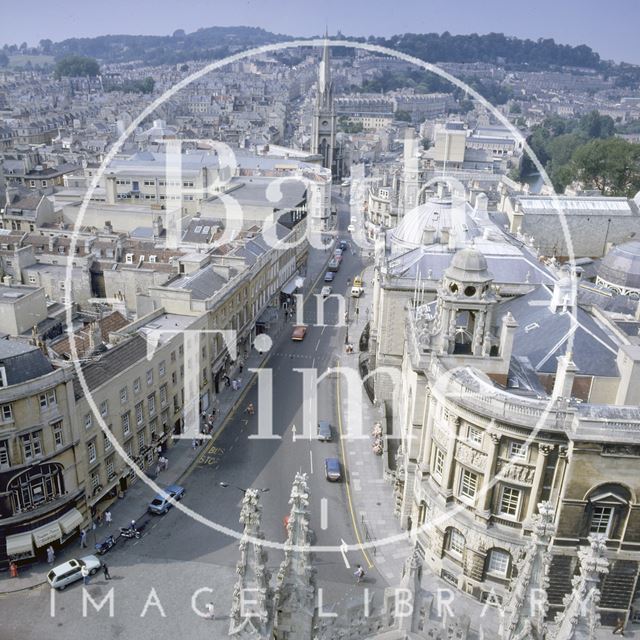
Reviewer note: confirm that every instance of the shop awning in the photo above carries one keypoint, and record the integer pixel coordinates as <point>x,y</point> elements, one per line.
<point>19,543</point>
<point>291,285</point>
<point>46,534</point>
<point>70,520</point>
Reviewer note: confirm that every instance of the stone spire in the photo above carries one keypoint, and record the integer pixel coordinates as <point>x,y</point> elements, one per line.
<point>526,606</point>
<point>250,608</point>
<point>325,87</point>
<point>580,618</point>
<point>294,600</point>
<point>411,579</point>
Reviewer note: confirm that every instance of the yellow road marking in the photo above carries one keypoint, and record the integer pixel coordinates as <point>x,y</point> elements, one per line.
<point>346,475</point>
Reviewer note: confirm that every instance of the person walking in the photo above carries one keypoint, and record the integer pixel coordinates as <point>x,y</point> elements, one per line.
<point>107,517</point>
<point>84,572</point>
<point>105,571</point>
<point>83,539</point>
<point>51,556</point>
<point>619,628</point>
<point>210,610</point>
<point>359,573</point>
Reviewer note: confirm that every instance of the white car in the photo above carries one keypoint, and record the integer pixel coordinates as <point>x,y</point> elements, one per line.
<point>67,572</point>
<point>326,291</point>
<point>351,228</point>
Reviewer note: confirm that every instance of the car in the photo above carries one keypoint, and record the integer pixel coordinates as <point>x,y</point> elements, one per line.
<point>337,252</point>
<point>326,291</point>
<point>353,219</point>
<point>161,503</point>
<point>64,574</point>
<point>333,265</point>
<point>343,245</point>
<point>299,332</point>
<point>329,276</point>
<point>357,281</point>
<point>332,469</point>
<point>356,292</point>
<point>324,431</point>
<point>351,228</point>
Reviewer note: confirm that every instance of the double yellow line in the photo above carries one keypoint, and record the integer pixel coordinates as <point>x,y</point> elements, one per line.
<point>346,475</point>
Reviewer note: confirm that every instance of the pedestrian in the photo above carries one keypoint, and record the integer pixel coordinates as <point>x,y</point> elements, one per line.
<point>359,573</point>
<point>84,572</point>
<point>83,539</point>
<point>210,610</point>
<point>133,524</point>
<point>165,462</point>
<point>107,517</point>
<point>105,570</point>
<point>51,556</point>
<point>619,628</point>
<point>157,468</point>
<point>194,444</point>
<point>13,569</point>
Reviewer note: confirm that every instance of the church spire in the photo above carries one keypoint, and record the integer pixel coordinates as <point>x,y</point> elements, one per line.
<point>250,608</point>
<point>294,600</point>
<point>324,74</point>
<point>580,618</point>
<point>526,606</point>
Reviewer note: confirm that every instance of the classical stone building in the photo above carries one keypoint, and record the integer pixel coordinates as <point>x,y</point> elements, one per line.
<point>507,402</point>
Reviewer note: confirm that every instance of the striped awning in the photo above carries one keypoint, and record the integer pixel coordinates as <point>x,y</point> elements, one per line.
<point>70,520</point>
<point>19,543</point>
<point>46,534</point>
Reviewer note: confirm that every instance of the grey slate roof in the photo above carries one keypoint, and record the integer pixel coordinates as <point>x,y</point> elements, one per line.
<point>22,361</point>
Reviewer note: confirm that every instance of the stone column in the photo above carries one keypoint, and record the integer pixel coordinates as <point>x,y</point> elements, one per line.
<point>556,486</point>
<point>427,443</point>
<point>538,478</point>
<point>449,464</point>
<point>474,561</point>
<point>489,475</point>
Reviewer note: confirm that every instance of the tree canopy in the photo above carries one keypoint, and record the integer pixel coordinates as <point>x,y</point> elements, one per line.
<point>75,67</point>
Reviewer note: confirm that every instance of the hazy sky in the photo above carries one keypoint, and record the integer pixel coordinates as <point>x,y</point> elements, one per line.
<point>610,27</point>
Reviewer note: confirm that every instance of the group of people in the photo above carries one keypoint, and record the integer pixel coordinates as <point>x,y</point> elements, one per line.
<point>349,348</point>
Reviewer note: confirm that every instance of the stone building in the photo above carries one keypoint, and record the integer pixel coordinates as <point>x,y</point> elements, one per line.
<point>507,402</point>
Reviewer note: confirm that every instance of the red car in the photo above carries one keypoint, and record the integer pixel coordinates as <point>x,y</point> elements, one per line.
<point>299,332</point>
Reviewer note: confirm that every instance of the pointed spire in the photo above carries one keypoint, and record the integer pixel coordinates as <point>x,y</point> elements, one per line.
<point>250,609</point>
<point>580,618</point>
<point>294,600</point>
<point>324,73</point>
<point>526,605</point>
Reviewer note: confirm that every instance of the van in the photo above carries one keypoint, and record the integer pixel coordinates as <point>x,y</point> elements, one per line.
<point>356,292</point>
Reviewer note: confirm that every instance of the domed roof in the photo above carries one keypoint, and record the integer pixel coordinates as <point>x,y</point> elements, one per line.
<point>469,265</point>
<point>432,223</point>
<point>621,266</point>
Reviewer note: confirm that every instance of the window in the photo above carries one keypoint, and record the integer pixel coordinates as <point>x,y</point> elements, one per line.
<point>6,414</point>
<point>58,435</point>
<point>139,414</point>
<point>474,435</point>
<point>468,484</point>
<point>124,396</point>
<point>104,408</point>
<point>141,441</point>
<point>601,519</point>
<point>162,369</point>
<point>31,445</point>
<point>517,450</point>
<point>172,357</point>
<point>106,443</point>
<point>95,482</point>
<point>110,467</point>
<point>498,562</point>
<point>510,502</point>
<point>152,404</point>
<point>173,377</point>
<point>91,451</point>
<point>456,542</point>
<point>163,395</point>
<point>48,399</point>
<point>126,425</point>
<point>136,385</point>
<point>88,421</point>
<point>4,453</point>
<point>153,427</point>
<point>438,463</point>
<point>150,377</point>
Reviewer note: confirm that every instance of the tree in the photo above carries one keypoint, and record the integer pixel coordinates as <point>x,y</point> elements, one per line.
<point>426,143</point>
<point>403,116</point>
<point>45,46</point>
<point>593,125</point>
<point>611,165</point>
<point>76,66</point>
<point>4,59</point>
<point>515,109</point>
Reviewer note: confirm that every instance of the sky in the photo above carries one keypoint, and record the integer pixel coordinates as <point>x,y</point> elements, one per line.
<point>610,27</point>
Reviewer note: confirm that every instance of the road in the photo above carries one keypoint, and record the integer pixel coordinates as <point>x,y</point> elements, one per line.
<point>178,555</point>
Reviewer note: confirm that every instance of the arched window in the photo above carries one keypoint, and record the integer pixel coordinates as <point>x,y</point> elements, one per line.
<point>35,486</point>
<point>606,510</point>
<point>498,563</point>
<point>454,542</point>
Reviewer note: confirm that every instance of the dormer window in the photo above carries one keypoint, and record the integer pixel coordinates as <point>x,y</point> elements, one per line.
<point>129,258</point>
<point>3,377</point>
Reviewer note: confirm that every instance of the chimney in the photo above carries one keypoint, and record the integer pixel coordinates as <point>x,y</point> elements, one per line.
<point>565,375</point>
<point>107,227</point>
<point>563,295</point>
<point>157,228</point>
<point>428,235</point>
<point>507,335</point>
<point>95,336</point>
<point>111,189</point>
<point>7,281</point>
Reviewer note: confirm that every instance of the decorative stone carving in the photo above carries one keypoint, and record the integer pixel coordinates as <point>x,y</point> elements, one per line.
<point>440,436</point>
<point>631,450</point>
<point>469,456</point>
<point>517,472</point>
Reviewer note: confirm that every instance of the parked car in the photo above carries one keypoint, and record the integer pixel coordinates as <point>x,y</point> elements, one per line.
<point>326,291</point>
<point>332,469</point>
<point>324,431</point>
<point>333,265</point>
<point>351,228</point>
<point>329,276</point>
<point>337,252</point>
<point>64,574</point>
<point>161,503</point>
<point>356,292</point>
<point>357,281</point>
<point>343,244</point>
<point>298,333</point>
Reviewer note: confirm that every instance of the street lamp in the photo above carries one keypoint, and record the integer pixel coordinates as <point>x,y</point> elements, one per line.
<point>233,486</point>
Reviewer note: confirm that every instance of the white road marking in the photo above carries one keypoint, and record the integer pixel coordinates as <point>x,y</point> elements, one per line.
<point>293,431</point>
<point>318,344</point>
<point>311,461</point>
<point>343,550</point>
<point>324,513</point>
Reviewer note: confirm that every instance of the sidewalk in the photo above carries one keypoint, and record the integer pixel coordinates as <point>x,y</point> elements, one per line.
<point>181,456</point>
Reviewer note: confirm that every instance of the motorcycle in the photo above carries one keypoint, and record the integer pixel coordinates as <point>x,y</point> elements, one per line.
<point>129,532</point>
<point>105,545</point>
